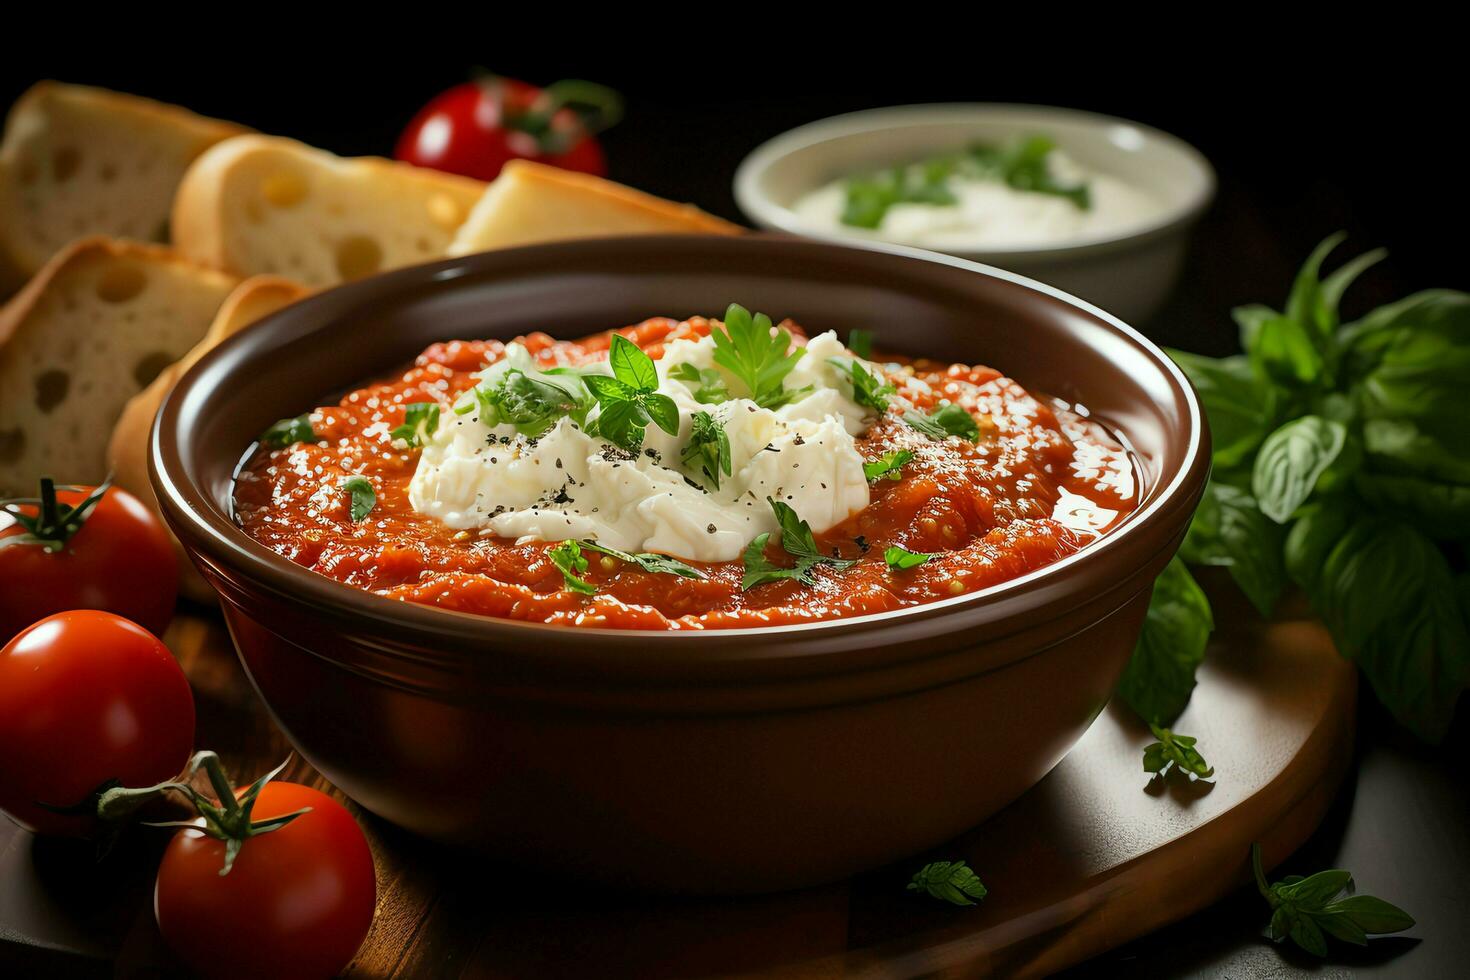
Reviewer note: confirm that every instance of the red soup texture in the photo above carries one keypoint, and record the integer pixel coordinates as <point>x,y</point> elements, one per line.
<point>1039,483</point>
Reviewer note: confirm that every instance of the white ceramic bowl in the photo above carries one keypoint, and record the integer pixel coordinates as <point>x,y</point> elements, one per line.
<point>1129,274</point>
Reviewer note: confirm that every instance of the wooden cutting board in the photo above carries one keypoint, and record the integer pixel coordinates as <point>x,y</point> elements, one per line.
<point>1093,856</point>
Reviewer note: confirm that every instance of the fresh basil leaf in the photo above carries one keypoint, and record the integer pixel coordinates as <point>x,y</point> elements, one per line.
<point>706,384</point>
<point>1250,319</point>
<point>568,558</point>
<point>630,365</point>
<point>1286,353</point>
<point>1372,915</point>
<point>1305,304</point>
<point>901,559</point>
<point>1178,751</point>
<point>797,541</point>
<point>288,432</point>
<point>889,466</point>
<point>649,562</point>
<point>1389,599</point>
<point>622,423</point>
<point>869,390</point>
<point>1440,510</point>
<point>948,420</point>
<point>1230,530</point>
<point>1312,537</point>
<point>663,411</point>
<point>420,419</point>
<point>1159,677</point>
<point>759,355</point>
<point>860,342</point>
<point>1241,408</point>
<point>948,881</point>
<point>1341,927</point>
<point>529,404</point>
<point>708,450</point>
<point>1303,909</point>
<point>1290,462</point>
<point>607,390</point>
<point>360,492</point>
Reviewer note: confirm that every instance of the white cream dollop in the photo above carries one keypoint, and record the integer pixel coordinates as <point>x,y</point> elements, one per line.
<point>567,484</point>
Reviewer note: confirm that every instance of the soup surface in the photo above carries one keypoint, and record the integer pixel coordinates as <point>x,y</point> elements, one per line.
<point>921,481</point>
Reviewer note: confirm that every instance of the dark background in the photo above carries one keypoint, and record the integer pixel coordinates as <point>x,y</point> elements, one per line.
<point>1309,135</point>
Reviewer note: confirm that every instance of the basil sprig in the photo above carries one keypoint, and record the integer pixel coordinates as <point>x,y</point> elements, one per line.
<point>868,389</point>
<point>1177,751</point>
<point>1307,910</point>
<point>629,400</point>
<point>798,542</point>
<point>1342,465</point>
<point>708,450</point>
<point>654,564</point>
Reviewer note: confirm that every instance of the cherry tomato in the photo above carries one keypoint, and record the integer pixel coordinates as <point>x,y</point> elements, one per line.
<point>73,549</point>
<point>87,697</point>
<point>297,901</point>
<point>475,128</point>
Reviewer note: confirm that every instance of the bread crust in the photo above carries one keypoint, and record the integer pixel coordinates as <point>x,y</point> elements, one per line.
<point>617,209</point>
<point>127,450</point>
<point>200,225</point>
<point>17,262</point>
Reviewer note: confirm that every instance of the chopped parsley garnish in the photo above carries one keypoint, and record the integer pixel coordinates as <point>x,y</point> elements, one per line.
<point>289,431</point>
<point>568,557</point>
<point>649,562</point>
<point>1174,750</point>
<point>869,390</point>
<point>901,559</point>
<point>889,466</point>
<point>757,354</point>
<point>362,495</point>
<point>420,419</point>
<point>950,420</point>
<point>860,342</point>
<point>1022,165</point>
<point>708,386</point>
<point>949,881</point>
<point>709,448</point>
<point>798,542</point>
<point>530,404</point>
<point>629,400</point>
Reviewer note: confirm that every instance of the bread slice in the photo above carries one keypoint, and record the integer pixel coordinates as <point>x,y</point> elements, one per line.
<point>260,204</point>
<point>81,161</point>
<point>95,326</point>
<point>531,202</point>
<point>127,451</point>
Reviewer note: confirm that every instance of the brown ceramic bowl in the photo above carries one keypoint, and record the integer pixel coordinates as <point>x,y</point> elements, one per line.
<point>726,761</point>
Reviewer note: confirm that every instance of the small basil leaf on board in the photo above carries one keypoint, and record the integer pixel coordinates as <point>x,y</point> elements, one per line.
<point>1178,751</point>
<point>361,496</point>
<point>1389,598</point>
<point>1304,910</point>
<point>1159,677</point>
<point>1239,405</point>
<point>948,881</point>
<point>1291,460</point>
<point>1229,530</point>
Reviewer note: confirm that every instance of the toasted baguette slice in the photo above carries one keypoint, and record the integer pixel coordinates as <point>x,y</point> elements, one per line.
<point>260,204</point>
<point>94,327</point>
<point>85,161</point>
<point>128,450</point>
<point>531,202</point>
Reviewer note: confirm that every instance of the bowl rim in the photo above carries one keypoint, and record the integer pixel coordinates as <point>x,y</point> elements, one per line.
<point>770,215</point>
<point>190,510</point>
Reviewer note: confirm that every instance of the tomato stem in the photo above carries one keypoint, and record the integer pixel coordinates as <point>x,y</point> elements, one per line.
<point>53,523</point>
<point>595,107</point>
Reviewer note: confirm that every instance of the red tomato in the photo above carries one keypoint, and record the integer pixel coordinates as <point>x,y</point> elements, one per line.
<point>297,902</point>
<point>475,128</point>
<point>120,559</point>
<point>87,697</point>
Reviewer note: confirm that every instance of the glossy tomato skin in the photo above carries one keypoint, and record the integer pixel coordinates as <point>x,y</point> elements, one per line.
<point>121,560</point>
<point>296,904</point>
<point>87,696</point>
<point>461,131</point>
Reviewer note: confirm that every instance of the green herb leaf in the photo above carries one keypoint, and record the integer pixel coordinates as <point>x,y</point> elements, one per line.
<point>1160,676</point>
<point>889,466</point>
<point>757,354</point>
<point>1024,166</point>
<point>1175,750</point>
<point>360,489</point>
<point>631,365</point>
<point>706,384</point>
<point>420,419</point>
<point>567,556</point>
<point>1240,406</point>
<point>948,420</point>
<point>870,196</point>
<point>1303,909</point>
<point>287,432</point>
<point>798,542</point>
<point>1287,353</point>
<point>1229,530</point>
<point>1291,461</point>
<point>708,450</point>
<point>868,390</point>
<point>629,400</point>
<point>649,562</point>
<point>530,404</point>
<point>860,342</point>
<point>901,559</point>
<point>948,881</point>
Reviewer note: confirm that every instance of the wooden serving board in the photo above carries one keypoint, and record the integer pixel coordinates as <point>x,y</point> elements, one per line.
<point>1093,856</point>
